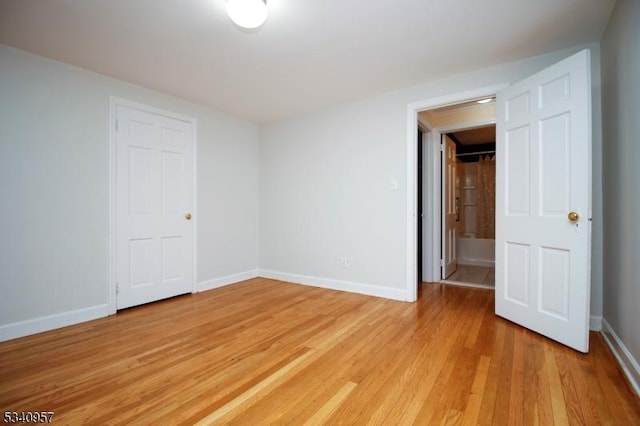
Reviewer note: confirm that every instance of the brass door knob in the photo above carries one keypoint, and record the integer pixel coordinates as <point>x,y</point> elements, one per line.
<point>573,216</point>
<point>187,216</point>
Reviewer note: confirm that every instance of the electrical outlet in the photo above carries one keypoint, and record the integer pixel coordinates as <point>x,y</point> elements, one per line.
<point>344,262</point>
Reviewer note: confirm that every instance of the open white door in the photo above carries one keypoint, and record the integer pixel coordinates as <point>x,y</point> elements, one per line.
<point>449,259</point>
<point>543,202</point>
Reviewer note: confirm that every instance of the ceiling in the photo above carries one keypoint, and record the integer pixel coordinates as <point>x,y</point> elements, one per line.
<point>309,54</point>
<point>477,136</point>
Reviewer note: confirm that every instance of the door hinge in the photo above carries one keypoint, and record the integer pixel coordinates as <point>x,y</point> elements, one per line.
<point>441,262</point>
<point>117,124</point>
<point>117,289</point>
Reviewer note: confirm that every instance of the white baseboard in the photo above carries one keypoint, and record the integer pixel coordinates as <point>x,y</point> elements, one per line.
<point>595,323</point>
<point>629,365</point>
<point>348,286</point>
<point>50,322</point>
<point>226,280</point>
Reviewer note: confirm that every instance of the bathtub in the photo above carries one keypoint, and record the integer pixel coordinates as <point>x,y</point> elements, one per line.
<point>476,251</point>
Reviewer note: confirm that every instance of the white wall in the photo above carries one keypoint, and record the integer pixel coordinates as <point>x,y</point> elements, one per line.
<point>53,182</point>
<point>621,151</point>
<point>314,190</point>
<point>325,183</point>
<point>325,194</point>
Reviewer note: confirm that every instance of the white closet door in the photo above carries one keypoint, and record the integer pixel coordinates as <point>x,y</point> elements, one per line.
<point>154,207</point>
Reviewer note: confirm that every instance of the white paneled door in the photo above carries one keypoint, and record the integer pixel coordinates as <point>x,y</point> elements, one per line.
<point>449,260</point>
<point>154,206</point>
<point>543,202</point>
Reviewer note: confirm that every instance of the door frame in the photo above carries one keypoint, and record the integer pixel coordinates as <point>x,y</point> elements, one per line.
<point>411,285</point>
<point>425,130</point>
<point>114,102</point>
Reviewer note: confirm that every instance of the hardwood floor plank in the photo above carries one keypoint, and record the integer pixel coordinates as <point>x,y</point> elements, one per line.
<point>558,405</point>
<point>472,410</point>
<point>327,409</point>
<point>531,365</point>
<point>544,408</point>
<point>253,391</point>
<point>501,409</point>
<point>576,409</point>
<point>592,392</point>
<point>270,352</point>
<point>492,383</point>
<point>302,388</point>
<point>516,393</point>
<point>428,347</point>
<point>615,389</point>
<point>443,391</point>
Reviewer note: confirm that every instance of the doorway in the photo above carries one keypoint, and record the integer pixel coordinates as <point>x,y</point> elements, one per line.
<point>462,241</point>
<point>474,195</point>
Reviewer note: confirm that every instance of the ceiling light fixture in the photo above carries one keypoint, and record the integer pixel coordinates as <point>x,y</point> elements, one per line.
<point>485,101</point>
<point>249,14</point>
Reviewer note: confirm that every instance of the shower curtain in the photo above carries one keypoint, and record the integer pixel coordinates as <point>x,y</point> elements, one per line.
<point>486,201</point>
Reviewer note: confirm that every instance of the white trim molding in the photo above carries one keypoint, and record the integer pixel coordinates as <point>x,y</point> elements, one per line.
<point>51,322</point>
<point>227,280</point>
<point>331,284</point>
<point>629,364</point>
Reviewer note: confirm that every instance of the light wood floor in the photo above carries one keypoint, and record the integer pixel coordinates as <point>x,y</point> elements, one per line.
<point>263,352</point>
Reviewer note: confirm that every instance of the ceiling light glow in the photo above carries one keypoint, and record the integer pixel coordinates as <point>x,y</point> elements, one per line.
<point>248,14</point>
<point>485,101</point>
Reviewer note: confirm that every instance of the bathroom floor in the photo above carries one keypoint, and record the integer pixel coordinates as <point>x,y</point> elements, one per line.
<point>480,275</point>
